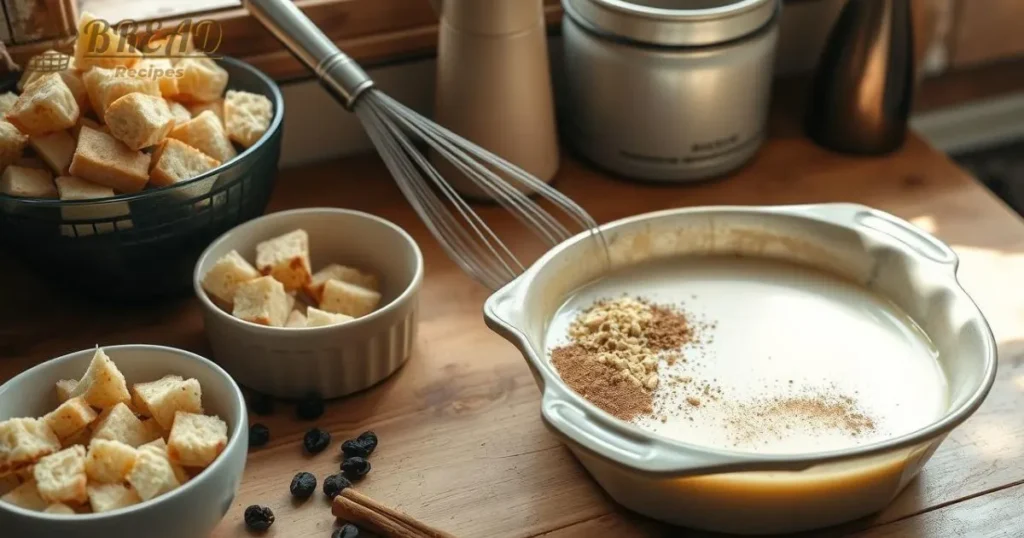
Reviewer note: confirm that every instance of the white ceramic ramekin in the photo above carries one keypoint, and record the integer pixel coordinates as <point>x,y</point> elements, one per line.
<point>737,492</point>
<point>330,361</point>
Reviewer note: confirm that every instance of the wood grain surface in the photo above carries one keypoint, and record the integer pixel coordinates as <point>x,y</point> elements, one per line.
<point>462,446</point>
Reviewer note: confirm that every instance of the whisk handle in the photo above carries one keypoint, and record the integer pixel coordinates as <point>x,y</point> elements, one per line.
<point>338,73</point>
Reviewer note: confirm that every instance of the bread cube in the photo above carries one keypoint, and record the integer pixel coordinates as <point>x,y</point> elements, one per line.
<point>152,474</point>
<point>120,424</point>
<point>47,105</point>
<point>107,497</point>
<point>23,441</point>
<point>104,86</point>
<point>60,508</point>
<point>139,120</point>
<point>161,450</point>
<point>85,121</point>
<point>162,71</point>
<point>180,113</point>
<point>173,47</point>
<point>247,116</point>
<point>98,45</point>
<point>102,159</point>
<point>286,258</point>
<point>344,298</point>
<point>70,417</point>
<point>223,279</point>
<point>64,389</point>
<point>144,393</point>
<point>12,143</point>
<point>60,477</point>
<point>196,440</point>
<point>296,320</point>
<point>103,385</point>
<point>73,188</point>
<point>334,271</point>
<point>318,318</point>
<point>163,401</point>
<point>27,182</point>
<point>81,437</point>
<point>26,496</point>
<point>7,101</point>
<point>217,107</point>
<point>109,462</point>
<point>56,149</point>
<point>176,161</point>
<point>262,301</point>
<point>206,133</point>
<point>202,80</point>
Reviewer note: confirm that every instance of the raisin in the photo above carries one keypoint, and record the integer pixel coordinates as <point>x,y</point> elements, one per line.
<point>354,448</point>
<point>258,518</point>
<point>310,408</point>
<point>261,404</point>
<point>348,530</point>
<point>259,435</point>
<point>369,440</point>
<point>303,485</point>
<point>316,440</point>
<point>335,484</point>
<point>355,468</point>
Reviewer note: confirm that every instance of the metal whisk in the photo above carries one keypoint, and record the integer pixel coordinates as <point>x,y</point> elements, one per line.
<point>395,129</point>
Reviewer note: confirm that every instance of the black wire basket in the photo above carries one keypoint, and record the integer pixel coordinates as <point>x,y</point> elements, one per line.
<point>142,247</point>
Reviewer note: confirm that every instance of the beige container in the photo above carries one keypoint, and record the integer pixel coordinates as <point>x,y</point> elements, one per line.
<point>494,85</point>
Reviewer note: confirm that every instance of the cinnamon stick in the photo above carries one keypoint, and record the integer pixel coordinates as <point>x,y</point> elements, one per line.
<point>405,519</point>
<point>362,516</point>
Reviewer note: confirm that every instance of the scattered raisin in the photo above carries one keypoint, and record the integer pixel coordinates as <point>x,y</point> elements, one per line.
<point>316,440</point>
<point>310,407</point>
<point>335,484</point>
<point>354,448</point>
<point>258,518</point>
<point>259,435</point>
<point>355,468</point>
<point>369,440</point>
<point>303,485</point>
<point>261,404</point>
<point>348,530</point>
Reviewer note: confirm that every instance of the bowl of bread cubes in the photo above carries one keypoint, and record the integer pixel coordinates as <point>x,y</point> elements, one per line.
<point>311,301</point>
<point>130,440</point>
<point>125,166</point>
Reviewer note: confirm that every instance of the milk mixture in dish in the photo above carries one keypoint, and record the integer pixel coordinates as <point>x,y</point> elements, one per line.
<point>748,354</point>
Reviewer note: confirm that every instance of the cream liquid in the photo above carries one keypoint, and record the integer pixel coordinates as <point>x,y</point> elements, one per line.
<point>772,330</point>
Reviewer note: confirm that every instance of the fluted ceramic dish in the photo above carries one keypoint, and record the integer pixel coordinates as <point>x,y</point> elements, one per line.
<point>330,361</point>
<point>728,490</point>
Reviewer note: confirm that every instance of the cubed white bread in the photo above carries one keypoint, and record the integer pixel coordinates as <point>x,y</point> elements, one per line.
<point>104,86</point>
<point>98,45</point>
<point>334,271</point>
<point>152,475</point>
<point>247,116</point>
<point>318,318</point>
<point>262,301</point>
<point>103,385</point>
<point>85,121</point>
<point>23,441</point>
<point>162,71</point>
<point>180,112</point>
<point>26,496</point>
<point>344,298</point>
<point>104,160</point>
<point>12,143</point>
<point>60,509</point>
<point>27,182</point>
<point>174,47</point>
<point>159,447</point>
<point>175,161</point>
<point>202,80</point>
<point>223,279</point>
<point>286,258</point>
<point>296,320</point>
<point>217,107</point>
<point>144,393</point>
<point>70,417</point>
<point>206,133</point>
<point>196,440</point>
<point>73,188</point>
<point>184,396</point>
<point>7,101</point>
<point>53,61</point>
<point>47,105</point>
<point>139,120</point>
<point>107,497</point>
<point>82,437</point>
<point>109,462</point>
<point>120,424</point>
<point>56,150</point>
<point>60,477</point>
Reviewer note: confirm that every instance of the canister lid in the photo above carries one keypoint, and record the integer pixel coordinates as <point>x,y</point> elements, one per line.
<point>673,22</point>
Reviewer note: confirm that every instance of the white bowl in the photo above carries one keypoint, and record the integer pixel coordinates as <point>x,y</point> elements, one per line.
<point>330,361</point>
<point>195,508</point>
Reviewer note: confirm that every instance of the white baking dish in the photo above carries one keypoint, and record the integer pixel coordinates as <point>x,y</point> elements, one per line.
<point>743,492</point>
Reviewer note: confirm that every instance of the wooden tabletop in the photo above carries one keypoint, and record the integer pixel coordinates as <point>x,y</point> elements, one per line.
<point>462,445</point>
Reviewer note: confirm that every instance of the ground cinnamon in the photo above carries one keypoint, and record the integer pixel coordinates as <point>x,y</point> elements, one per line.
<point>600,383</point>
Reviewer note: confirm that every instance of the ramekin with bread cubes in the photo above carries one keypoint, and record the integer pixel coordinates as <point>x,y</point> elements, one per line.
<point>127,164</point>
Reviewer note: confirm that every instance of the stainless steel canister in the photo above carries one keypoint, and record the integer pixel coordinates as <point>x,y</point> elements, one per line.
<point>668,90</point>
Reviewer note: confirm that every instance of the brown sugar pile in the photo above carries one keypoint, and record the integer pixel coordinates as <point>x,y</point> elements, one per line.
<point>822,411</point>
